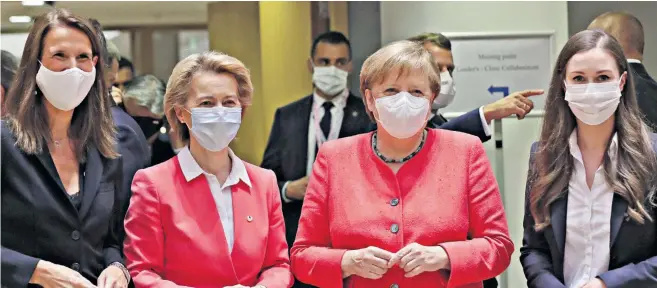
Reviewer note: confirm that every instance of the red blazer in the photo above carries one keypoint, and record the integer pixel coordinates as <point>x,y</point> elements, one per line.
<point>174,236</point>
<point>441,196</point>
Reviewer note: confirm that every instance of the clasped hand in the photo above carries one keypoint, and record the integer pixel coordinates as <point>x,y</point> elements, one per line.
<point>373,262</point>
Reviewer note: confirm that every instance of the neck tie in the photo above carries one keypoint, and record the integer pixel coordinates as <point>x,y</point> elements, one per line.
<point>325,123</point>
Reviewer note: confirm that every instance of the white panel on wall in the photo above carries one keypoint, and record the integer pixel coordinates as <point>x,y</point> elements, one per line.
<point>400,20</point>
<point>192,41</point>
<point>492,65</point>
<point>123,42</point>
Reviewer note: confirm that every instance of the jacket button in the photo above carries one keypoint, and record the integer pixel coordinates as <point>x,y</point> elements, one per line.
<point>394,202</point>
<point>394,228</point>
<point>394,286</point>
<point>75,267</point>
<point>75,235</point>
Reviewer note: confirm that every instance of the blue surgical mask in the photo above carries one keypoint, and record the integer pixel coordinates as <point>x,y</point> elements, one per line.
<point>214,128</point>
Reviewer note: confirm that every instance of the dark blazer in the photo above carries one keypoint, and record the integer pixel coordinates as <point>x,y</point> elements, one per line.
<point>469,123</point>
<point>39,222</point>
<point>287,149</point>
<point>134,151</point>
<point>633,261</point>
<point>646,93</point>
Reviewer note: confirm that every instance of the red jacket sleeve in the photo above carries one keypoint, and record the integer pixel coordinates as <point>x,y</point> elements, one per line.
<point>313,260</point>
<point>144,244</point>
<point>489,252</point>
<point>276,267</point>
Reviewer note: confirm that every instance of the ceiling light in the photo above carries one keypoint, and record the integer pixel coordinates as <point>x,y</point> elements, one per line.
<point>20,19</point>
<point>33,3</point>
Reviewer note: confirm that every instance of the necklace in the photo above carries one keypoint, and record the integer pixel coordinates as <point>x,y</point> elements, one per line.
<point>388,160</point>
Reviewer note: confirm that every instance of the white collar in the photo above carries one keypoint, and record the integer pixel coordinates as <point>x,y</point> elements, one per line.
<point>633,61</point>
<point>574,148</point>
<point>191,169</point>
<point>340,101</point>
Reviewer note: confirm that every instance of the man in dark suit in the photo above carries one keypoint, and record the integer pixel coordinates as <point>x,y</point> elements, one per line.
<point>330,112</point>
<point>130,139</point>
<point>628,30</point>
<point>475,122</point>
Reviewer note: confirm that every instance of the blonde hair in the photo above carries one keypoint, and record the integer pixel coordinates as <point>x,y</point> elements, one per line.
<point>180,81</point>
<point>403,55</point>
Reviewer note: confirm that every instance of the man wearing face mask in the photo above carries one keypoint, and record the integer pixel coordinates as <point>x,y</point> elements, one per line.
<point>299,128</point>
<point>476,121</point>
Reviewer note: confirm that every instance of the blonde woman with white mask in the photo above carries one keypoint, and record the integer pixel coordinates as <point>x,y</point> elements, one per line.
<point>376,214</point>
<point>590,209</point>
<point>205,218</point>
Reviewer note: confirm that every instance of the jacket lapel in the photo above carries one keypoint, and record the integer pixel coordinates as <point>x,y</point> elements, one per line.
<point>246,220</point>
<point>49,165</point>
<point>618,209</point>
<point>350,117</point>
<point>302,131</point>
<point>201,207</point>
<point>558,222</point>
<point>92,175</point>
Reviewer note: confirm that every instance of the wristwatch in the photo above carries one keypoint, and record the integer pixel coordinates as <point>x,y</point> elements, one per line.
<point>125,271</point>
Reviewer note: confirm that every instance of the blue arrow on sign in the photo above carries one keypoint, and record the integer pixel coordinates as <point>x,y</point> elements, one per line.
<point>502,89</point>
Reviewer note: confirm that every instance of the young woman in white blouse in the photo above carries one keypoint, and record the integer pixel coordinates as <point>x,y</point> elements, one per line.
<point>590,213</point>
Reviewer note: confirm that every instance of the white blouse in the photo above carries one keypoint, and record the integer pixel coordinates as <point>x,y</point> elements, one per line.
<point>588,224</point>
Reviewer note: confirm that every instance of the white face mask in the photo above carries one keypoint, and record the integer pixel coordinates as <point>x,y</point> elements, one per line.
<point>215,127</point>
<point>593,103</point>
<point>66,89</point>
<point>447,91</point>
<point>402,115</point>
<point>330,80</point>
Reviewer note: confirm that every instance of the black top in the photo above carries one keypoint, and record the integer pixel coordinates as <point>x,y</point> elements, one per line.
<point>40,222</point>
<point>646,94</point>
<point>76,198</point>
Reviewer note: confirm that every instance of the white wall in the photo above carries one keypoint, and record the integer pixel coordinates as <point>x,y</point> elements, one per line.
<point>400,20</point>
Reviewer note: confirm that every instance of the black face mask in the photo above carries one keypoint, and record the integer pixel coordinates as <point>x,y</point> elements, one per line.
<point>148,125</point>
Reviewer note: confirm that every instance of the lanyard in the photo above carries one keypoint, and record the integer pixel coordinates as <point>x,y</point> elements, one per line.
<point>320,138</point>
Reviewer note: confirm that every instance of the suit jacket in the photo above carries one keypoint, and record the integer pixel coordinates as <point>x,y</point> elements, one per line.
<point>175,237</point>
<point>354,200</point>
<point>633,261</point>
<point>134,151</point>
<point>39,222</point>
<point>646,93</point>
<point>287,149</point>
<point>469,123</point>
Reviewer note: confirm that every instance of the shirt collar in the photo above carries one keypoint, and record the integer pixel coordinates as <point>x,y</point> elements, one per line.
<point>191,169</point>
<point>340,101</point>
<point>574,148</point>
<point>633,61</point>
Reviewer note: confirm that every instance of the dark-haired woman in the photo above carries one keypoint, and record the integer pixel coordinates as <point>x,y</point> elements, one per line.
<point>590,217</point>
<point>60,170</point>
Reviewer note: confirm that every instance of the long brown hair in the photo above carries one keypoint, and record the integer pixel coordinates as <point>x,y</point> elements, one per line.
<point>633,174</point>
<point>92,124</point>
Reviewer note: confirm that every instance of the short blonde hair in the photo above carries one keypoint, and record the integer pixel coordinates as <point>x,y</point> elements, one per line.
<point>403,55</point>
<point>178,87</point>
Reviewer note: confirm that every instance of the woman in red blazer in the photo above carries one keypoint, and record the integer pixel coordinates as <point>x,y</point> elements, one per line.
<point>205,218</point>
<point>396,207</point>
